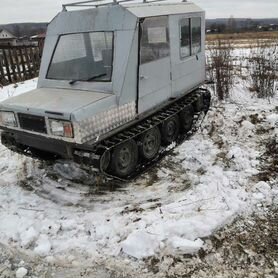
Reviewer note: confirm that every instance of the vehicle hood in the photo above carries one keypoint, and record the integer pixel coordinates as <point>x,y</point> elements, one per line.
<point>50,101</point>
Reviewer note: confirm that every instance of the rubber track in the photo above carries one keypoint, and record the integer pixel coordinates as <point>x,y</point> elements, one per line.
<point>153,121</point>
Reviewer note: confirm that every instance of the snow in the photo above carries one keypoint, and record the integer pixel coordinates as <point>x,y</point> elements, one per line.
<point>43,245</point>
<point>202,186</point>
<point>272,119</point>
<point>17,89</point>
<point>28,237</point>
<point>147,246</point>
<point>21,272</point>
<point>185,246</point>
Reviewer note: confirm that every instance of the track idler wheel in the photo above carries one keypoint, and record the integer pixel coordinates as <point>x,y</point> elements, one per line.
<point>186,118</point>
<point>124,159</point>
<point>150,143</point>
<point>170,130</point>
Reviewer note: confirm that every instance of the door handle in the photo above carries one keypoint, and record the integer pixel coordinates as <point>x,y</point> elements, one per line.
<point>143,77</point>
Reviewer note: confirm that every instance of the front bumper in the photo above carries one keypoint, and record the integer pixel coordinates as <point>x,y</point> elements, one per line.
<point>18,141</point>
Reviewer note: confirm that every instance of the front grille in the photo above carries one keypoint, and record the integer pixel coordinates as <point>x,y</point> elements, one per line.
<point>32,123</point>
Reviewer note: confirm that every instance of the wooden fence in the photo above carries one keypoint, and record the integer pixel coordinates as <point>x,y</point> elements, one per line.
<point>19,63</point>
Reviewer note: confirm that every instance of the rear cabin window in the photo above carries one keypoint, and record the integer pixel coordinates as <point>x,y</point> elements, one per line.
<point>190,36</point>
<point>83,57</point>
<point>154,39</point>
<point>185,37</point>
<point>196,35</point>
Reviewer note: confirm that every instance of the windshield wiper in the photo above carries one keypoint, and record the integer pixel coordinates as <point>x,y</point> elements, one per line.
<point>89,79</point>
<point>96,76</point>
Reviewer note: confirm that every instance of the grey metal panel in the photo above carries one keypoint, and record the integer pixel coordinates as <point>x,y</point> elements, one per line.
<point>187,82</point>
<point>105,87</point>
<point>111,118</point>
<point>125,66</point>
<point>157,9</point>
<point>151,101</point>
<point>94,108</point>
<point>190,71</point>
<point>154,81</point>
<point>54,100</point>
<point>49,46</point>
<point>108,18</point>
<point>128,91</point>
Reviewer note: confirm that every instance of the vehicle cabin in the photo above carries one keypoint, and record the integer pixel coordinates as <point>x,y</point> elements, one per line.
<point>137,55</point>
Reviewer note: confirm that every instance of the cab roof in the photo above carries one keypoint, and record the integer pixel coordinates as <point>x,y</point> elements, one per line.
<point>112,16</point>
<point>142,9</point>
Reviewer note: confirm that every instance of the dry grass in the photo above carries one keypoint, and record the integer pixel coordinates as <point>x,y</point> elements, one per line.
<point>244,39</point>
<point>243,36</point>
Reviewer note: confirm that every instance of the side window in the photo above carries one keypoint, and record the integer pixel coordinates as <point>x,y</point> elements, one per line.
<point>190,36</point>
<point>185,37</point>
<point>154,43</point>
<point>196,35</point>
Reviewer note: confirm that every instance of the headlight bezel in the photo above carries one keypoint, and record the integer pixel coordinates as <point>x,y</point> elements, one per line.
<point>63,128</point>
<point>13,123</point>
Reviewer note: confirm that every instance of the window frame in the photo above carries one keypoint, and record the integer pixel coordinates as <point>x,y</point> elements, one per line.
<point>84,81</point>
<point>167,37</point>
<point>190,37</point>
<point>180,38</point>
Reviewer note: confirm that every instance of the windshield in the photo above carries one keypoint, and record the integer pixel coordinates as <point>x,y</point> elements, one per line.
<point>83,57</point>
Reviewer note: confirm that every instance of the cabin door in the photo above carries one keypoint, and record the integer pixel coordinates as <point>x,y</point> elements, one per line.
<point>187,52</point>
<point>154,84</point>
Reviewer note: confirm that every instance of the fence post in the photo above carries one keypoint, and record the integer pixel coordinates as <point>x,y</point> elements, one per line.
<point>18,64</point>
<point>2,74</point>
<point>12,65</point>
<point>7,66</point>
<point>22,62</point>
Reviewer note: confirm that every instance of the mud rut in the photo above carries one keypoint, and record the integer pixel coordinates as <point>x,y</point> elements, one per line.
<point>68,183</point>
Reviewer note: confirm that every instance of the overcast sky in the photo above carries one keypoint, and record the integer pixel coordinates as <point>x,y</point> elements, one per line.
<point>45,10</point>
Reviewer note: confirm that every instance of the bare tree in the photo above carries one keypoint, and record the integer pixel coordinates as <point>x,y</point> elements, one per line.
<point>220,67</point>
<point>263,68</point>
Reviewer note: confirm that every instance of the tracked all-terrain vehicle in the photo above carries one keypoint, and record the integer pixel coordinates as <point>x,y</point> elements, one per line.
<point>118,83</point>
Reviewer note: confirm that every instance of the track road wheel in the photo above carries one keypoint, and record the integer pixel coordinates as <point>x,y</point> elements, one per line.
<point>150,143</point>
<point>186,118</point>
<point>170,130</point>
<point>124,159</point>
<point>198,104</point>
<point>207,101</point>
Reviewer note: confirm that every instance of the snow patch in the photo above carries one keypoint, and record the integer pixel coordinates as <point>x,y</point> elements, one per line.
<point>43,246</point>
<point>272,120</point>
<point>140,244</point>
<point>184,246</point>
<point>28,237</point>
<point>17,89</point>
<point>21,272</point>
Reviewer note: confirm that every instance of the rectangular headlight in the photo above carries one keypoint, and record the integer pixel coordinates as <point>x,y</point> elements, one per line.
<point>8,119</point>
<point>61,128</point>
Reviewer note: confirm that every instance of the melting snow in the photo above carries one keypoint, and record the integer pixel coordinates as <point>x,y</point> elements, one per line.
<point>21,272</point>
